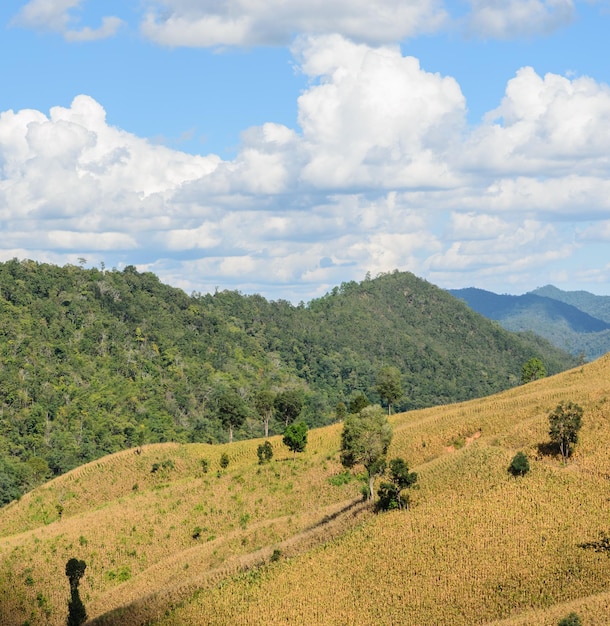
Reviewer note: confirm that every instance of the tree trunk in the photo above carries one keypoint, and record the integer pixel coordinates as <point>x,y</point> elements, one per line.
<point>266,425</point>
<point>230,434</point>
<point>371,485</point>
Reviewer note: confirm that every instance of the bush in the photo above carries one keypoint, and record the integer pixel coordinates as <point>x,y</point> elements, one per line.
<point>224,460</point>
<point>519,466</point>
<point>265,453</point>
<point>277,553</point>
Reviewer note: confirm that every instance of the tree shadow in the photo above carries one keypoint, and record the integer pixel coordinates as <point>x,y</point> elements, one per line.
<point>548,448</point>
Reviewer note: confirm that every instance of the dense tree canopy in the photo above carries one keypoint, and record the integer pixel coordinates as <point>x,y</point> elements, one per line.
<point>93,361</point>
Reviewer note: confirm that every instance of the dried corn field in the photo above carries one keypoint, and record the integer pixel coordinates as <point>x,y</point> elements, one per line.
<point>477,546</point>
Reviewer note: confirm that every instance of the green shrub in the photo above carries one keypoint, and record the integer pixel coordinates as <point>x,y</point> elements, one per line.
<point>224,460</point>
<point>264,452</point>
<point>520,465</point>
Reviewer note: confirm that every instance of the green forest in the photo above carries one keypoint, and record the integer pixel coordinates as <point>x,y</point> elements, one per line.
<point>93,361</point>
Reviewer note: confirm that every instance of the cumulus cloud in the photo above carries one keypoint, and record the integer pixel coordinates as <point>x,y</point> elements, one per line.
<point>210,23</point>
<point>507,19</point>
<point>375,118</point>
<point>545,125</point>
<point>55,15</point>
<point>382,173</point>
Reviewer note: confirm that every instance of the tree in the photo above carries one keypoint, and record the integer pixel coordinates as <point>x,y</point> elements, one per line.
<point>388,385</point>
<point>564,423</point>
<point>400,478</point>
<point>533,369</point>
<point>520,465</point>
<point>264,407</point>
<point>340,411</point>
<point>358,402</point>
<point>365,440</point>
<point>295,437</point>
<point>77,614</point>
<point>232,410</point>
<point>264,452</point>
<point>289,404</point>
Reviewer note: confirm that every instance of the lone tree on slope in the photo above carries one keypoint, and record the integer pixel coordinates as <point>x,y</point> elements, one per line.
<point>295,437</point>
<point>365,439</point>
<point>533,369</point>
<point>564,423</point>
<point>77,614</point>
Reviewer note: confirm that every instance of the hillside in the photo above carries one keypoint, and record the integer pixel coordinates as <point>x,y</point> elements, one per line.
<point>575,321</point>
<point>478,546</point>
<point>597,306</point>
<point>94,361</point>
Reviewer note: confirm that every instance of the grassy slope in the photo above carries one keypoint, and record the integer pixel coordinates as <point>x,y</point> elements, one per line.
<point>477,546</point>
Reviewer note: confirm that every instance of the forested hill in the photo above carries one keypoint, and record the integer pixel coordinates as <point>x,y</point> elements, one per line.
<point>93,361</point>
<point>577,321</point>
<point>597,306</point>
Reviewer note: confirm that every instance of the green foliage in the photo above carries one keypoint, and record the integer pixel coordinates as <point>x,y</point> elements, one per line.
<point>564,423</point>
<point>224,460</point>
<point>400,478</point>
<point>358,402</point>
<point>231,409</point>
<point>289,404</point>
<point>96,361</point>
<point>388,385</point>
<point>571,620</point>
<point>264,403</point>
<point>276,556</point>
<point>264,452</point>
<point>365,440</point>
<point>533,369</point>
<point>520,465</point>
<point>341,479</point>
<point>295,437</point>
<point>340,411</point>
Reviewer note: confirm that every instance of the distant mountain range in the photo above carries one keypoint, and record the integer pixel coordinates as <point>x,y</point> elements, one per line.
<point>576,321</point>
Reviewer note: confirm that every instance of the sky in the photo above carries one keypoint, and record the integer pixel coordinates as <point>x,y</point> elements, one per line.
<point>283,147</point>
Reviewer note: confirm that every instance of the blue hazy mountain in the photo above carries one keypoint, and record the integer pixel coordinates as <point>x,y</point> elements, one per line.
<point>575,321</point>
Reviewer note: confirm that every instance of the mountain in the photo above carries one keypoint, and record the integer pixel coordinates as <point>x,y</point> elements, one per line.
<point>549,313</point>
<point>95,361</point>
<point>290,542</point>
<point>597,306</point>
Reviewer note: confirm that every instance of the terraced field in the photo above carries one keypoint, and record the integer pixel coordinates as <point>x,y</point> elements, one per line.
<point>291,541</point>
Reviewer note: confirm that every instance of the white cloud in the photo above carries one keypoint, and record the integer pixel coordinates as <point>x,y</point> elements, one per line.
<point>545,126</point>
<point>382,173</point>
<point>507,19</point>
<point>375,118</point>
<point>55,15</point>
<point>210,23</point>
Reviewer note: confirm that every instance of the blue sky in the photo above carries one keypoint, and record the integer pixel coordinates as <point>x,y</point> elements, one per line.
<point>285,147</point>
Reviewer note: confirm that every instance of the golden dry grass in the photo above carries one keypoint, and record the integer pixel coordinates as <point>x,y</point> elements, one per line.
<point>477,546</point>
